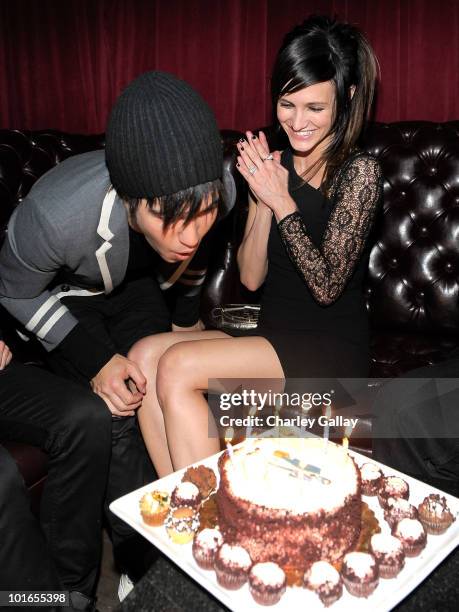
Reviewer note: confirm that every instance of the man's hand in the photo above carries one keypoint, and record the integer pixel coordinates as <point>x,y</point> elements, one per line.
<point>198,326</point>
<point>110,384</point>
<point>5,355</point>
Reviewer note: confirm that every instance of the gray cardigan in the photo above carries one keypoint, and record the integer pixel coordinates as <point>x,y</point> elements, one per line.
<point>71,222</point>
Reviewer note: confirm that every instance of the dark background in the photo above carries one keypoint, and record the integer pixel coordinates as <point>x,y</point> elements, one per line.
<point>63,62</point>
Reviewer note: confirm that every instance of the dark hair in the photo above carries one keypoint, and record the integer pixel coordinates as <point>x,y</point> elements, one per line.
<point>324,49</point>
<point>182,204</point>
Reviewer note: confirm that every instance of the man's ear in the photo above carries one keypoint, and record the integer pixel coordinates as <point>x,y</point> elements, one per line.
<point>352,91</point>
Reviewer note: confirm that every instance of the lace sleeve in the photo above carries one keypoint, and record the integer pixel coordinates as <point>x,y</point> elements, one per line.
<point>327,269</point>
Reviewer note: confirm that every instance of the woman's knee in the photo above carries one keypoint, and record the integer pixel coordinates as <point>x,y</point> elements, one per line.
<point>147,352</point>
<point>174,373</point>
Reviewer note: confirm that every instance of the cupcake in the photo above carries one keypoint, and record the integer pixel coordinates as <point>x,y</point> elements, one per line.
<point>392,486</point>
<point>181,524</point>
<point>411,534</point>
<point>203,477</point>
<point>154,507</point>
<point>397,509</point>
<point>371,477</point>
<point>205,547</point>
<point>324,579</point>
<point>232,566</point>
<point>360,573</point>
<point>186,494</point>
<point>267,583</point>
<point>389,554</point>
<point>434,514</point>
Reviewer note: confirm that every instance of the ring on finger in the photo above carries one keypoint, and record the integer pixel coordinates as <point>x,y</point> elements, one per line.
<point>270,156</point>
<point>253,169</point>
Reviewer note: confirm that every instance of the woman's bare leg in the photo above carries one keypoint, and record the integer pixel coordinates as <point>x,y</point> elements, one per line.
<point>183,374</point>
<point>146,353</point>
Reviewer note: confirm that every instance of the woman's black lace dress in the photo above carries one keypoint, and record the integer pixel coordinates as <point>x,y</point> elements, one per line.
<point>312,309</point>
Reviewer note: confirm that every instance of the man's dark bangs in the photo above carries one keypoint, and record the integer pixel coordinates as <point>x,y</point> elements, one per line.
<point>186,204</point>
<point>182,204</point>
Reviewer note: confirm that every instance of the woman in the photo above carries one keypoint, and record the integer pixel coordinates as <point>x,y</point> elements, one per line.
<point>310,213</point>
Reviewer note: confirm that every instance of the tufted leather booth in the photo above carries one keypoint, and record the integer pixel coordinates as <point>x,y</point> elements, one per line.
<point>412,287</point>
<point>413,280</point>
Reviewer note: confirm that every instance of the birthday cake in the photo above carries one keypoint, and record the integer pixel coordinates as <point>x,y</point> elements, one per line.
<point>290,501</point>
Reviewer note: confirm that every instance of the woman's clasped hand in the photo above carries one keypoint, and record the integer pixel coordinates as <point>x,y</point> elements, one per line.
<point>266,177</point>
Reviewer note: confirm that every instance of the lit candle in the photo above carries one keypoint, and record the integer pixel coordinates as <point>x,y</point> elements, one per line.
<point>347,435</point>
<point>327,426</point>
<point>277,409</point>
<point>252,413</point>
<point>229,435</point>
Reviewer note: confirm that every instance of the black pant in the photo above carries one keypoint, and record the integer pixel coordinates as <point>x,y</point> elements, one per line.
<point>417,424</point>
<point>73,426</point>
<point>132,311</point>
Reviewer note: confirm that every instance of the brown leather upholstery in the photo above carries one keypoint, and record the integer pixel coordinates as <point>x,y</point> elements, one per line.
<point>413,280</point>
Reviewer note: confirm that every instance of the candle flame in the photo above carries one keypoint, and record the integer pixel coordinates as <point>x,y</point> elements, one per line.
<point>328,411</point>
<point>229,434</point>
<point>347,435</point>
<point>253,411</point>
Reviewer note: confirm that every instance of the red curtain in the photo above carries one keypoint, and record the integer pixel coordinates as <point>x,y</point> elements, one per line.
<point>62,63</point>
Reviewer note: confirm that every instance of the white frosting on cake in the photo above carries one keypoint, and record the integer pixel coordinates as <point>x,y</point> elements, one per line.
<point>235,554</point>
<point>410,528</point>
<point>385,543</point>
<point>370,471</point>
<point>399,503</point>
<point>361,563</point>
<point>187,490</point>
<point>395,483</point>
<point>209,538</point>
<point>322,572</point>
<point>257,474</point>
<point>268,573</point>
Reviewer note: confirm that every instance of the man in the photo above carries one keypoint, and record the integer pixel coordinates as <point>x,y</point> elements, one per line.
<point>72,425</point>
<point>77,266</point>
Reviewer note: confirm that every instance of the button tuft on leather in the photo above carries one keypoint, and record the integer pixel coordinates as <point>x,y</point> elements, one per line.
<point>65,287</point>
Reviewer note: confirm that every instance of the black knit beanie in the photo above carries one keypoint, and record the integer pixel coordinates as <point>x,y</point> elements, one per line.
<point>161,137</point>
